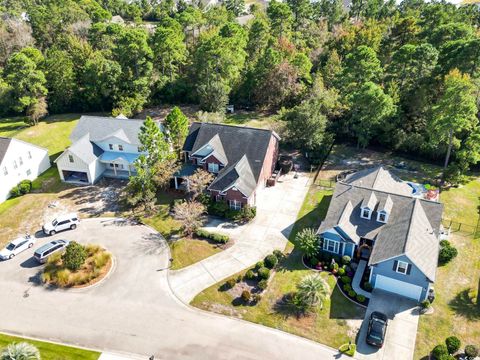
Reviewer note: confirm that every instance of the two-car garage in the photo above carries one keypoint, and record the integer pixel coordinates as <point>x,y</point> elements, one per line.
<point>398,287</point>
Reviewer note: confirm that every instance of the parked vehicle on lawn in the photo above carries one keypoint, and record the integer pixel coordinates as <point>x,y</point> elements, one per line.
<point>62,222</point>
<point>377,328</point>
<point>44,252</point>
<point>16,246</point>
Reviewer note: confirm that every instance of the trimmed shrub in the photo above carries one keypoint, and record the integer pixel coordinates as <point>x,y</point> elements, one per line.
<point>262,284</point>
<point>313,261</point>
<point>74,256</point>
<point>352,293</point>
<point>218,208</point>
<point>259,265</point>
<point>239,278</point>
<point>63,277</point>
<point>246,295</point>
<point>250,275</point>
<point>257,298</point>
<point>263,273</point>
<point>218,238</point>
<point>101,259</point>
<point>425,304</point>
<point>439,351</point>
<point>346,279</point>
<point>368,286</point>
<point>15,191</point>
<point>270,261</point>
<point>25,186</point>
<point>278,253</point>
<point>341,272</point>
<point>471,351</point>
<point>230,283</point>
<point>92,249</point>
<point>360,298</point>
<point>444,243</point>
<point>453,344</point>
<point>447,253</point>
<point>347,287</point>
<point>346,259</point>
<point>20,351</point>
<point>247,213</point>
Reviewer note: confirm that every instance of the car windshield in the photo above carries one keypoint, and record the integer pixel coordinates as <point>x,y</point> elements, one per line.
<point>377,329</point>
<point>54,222</point>
<point>10,246</point>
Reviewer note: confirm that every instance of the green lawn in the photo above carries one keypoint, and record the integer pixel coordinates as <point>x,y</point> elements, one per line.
<point>188,251</point>
<point>50,351</point>
<point>252,119</point>
<point>52,133</point>
<point>463,203</point>
<point>161,220</point>
<point>333,325</point>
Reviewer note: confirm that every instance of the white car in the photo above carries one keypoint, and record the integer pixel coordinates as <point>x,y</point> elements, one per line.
<point>62,222</point>
<point>16,246</point>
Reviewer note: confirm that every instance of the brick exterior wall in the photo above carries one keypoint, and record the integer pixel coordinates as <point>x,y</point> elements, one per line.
<point>212,159</point>
<point>270,161</point>
<point>235,195</point>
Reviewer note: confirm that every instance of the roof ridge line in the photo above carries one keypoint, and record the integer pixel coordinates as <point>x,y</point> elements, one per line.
<point>232,126</point>
<point>411,219</point>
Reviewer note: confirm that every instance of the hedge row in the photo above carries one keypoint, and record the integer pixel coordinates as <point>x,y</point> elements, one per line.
<point>219,238</point>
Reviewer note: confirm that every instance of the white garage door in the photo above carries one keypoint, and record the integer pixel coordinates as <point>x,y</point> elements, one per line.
<point>398,287</point>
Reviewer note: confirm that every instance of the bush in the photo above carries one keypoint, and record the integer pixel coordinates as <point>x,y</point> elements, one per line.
<point>257,298</point>
<point>250,275</point>
<point>259,265</point>
<point>218,208</point>
<point>25,186</point>
<point>444,243</point>
<point>218,238</point>
<point>352,294</point>
<point>247,213</point>
<point>347,287</point>
<point>246,295</point>
<point>425,304</point>
<point>471,351</point>
<point>346,279</point>
<point>368,286</point>
<point>18,351</point>
<point>453,344</point>
<point>447,253</point>
<point>346,259</point>
<point>270,261</point>
<point>92,249</point>
<point>263,273</point>
<point>314,261</point>
<point>341,272</point>
<point>101,259</point>
<point>74,256</point>
<point>231,214</point>
<point>262,284</point>
<point>63,276</point>
<point>278,253</point>
<point>360,298</point>
<point>230,283</point>
<point>308,242</point>
<point>439,351</point>
<point>15,191</point>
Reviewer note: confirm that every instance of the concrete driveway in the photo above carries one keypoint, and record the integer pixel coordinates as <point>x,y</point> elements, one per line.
<point>133,311</point>
<point>277,209</point>
<point>403,317</point>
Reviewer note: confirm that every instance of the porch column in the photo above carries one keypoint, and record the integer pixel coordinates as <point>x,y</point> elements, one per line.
<point>114,168</point>
<point>129,173</point>
<point>176,182</point>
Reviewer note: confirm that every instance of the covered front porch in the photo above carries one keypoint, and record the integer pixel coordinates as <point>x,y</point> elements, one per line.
<point>180,178</point>
<point>119,166</point>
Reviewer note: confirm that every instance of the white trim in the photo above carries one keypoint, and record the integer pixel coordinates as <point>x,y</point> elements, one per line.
<point>371,274</point>
<point>214,170</point>
<point>369,213</point>
<point>336,245</point>
<point>235,203</point>
<point>403,263</point>
<point>382,212</point>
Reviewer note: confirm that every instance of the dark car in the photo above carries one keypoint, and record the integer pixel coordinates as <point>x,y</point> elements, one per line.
<point>377,328</point>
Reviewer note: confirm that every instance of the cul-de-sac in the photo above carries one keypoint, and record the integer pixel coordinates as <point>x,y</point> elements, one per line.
<point>239,179</point>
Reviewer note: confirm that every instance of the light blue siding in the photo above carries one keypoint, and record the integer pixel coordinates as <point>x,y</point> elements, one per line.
<point>415,277</point>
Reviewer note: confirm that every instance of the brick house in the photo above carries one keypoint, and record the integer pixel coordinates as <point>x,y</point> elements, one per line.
<point>241,158</point>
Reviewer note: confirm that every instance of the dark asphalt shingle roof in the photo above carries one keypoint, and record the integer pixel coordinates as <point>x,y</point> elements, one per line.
<point>4,144</point>
<point>411,229</point>
<point>237,143</point>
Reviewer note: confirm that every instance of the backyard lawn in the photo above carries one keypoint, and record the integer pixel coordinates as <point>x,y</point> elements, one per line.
<point>50,351</point>
<point>189,251</point>
<point>252,119</point>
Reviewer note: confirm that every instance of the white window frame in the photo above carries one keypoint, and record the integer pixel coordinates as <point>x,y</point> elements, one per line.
<point>403,263</point>
<point>334,243</point>
<point>70,158</point>
<point>380,213</point>
<point>362,210</point>
<point>213,167</point>
<point>235,204</point>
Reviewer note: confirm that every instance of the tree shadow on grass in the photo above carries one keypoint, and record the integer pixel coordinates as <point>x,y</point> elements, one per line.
<point>463,305</point>
<point>342,308</point>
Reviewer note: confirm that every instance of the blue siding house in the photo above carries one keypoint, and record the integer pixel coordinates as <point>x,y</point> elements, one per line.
<point>375,217</point>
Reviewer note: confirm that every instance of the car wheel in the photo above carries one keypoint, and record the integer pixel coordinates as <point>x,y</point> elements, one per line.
<point>11,256</point>
<point>73,227</point>
<point>30,245</point>
<point>53,232</point>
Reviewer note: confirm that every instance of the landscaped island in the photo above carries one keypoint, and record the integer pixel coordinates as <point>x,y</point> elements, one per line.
<point>79,266</point>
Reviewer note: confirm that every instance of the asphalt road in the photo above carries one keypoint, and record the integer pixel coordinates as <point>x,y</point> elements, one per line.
<point>133,311</point>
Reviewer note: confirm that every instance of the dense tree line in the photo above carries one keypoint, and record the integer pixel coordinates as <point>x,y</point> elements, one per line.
<point>405,76</point>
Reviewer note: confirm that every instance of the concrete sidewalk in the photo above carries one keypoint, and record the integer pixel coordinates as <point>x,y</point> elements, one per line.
<point>358,277</point>
<point>277,209</point>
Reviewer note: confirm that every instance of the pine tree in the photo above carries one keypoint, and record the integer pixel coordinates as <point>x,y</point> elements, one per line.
<point>176,124</point>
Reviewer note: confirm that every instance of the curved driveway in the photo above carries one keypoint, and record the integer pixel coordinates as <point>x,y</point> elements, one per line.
<point>133,311</point>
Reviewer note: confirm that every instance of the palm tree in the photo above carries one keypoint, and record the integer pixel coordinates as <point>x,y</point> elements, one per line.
<point>20,351</point>
<point>313,289</point>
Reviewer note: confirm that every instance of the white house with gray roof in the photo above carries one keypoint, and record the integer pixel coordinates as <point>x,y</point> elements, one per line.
<point>101,147</point>
<point>373,216</point>
<point>19,160</point>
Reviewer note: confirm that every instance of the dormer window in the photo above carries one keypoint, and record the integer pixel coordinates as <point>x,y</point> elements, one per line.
<point>366,213</point>
<point>382,216</point>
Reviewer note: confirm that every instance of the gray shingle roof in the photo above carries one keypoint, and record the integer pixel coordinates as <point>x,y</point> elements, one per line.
<point>239,175</point>
<point>412,227</point>
<point>378,178</point>
<point>4,144</point>
<point>237,143</point>
<point>85,149</point>
<point>100,128</point>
